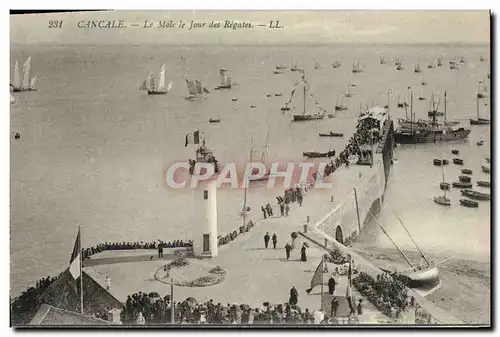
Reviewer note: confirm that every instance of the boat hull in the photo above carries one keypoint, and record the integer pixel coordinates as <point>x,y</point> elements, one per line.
<point>442,201</point>
<point>480,121</point>
<point>459,184</point>
<point>485,169</point>
<point>332,134</point>
<point>483,183</point>
<point>469,203</point>
<point>318,154</point>
<point>225,87</point>
<point>303,118</point>
<point>154,92</point>
<point>466,171</point>
<point>23,89</point>
<point>475,195</point>
<point>214,120</point>
<point>424,278</point>
<point>429,137</point>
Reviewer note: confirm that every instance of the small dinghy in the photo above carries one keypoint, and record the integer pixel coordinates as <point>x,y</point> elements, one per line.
<point>459,184</point>
<point>466,171</point>
<point>437,162</point>
<point>483,183</point>
<point>464,179</point>
<point>469,203</point>
<point>444,186</point>
<point>214,120</point>
<point>458,161</point>
<point>476,195</point>
<point>442,200</point>
<point>319,154</point>
<point>234,100</point>
<point>487,160</point>
<point>446,161</point>
<point>17,135</point>
<point>269,95</point>
<point>481,142</point>
<point>253,106</point>
<point>285,108</point>
<point>331,134</point>
<point>455,152</point>
<point>486,169</point>
<point>278,94</point>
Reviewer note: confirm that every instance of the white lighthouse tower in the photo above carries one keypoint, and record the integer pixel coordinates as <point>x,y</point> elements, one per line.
<point>205,243</point>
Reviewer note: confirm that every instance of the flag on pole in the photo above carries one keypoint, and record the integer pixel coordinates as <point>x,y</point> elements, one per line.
<point>75,263</point>
<point>193,138</point>
<point>317,278</point>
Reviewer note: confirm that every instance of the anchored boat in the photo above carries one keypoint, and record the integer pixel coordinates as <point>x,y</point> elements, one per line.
<point>196,90</point>
<point>308,116</point>
<point>331,134</point>
<point>479,120</point>
<point>466,171</point>
<point>225,81</point>
<point>157,89</point>
<point>486,169</point>
<point>319,154</point>
<point>443,199</point>
<point>476,195</point>
<point>23,83</point>
<point>460,184</point>
<point>483,183</point>
<point>469,203</point>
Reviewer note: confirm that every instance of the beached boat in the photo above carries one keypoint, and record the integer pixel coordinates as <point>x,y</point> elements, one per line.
<point>464,179</point>
<point>486,169</point>
<point>214,120</point>
<point>459,184</point>
<point>24,82</point>
<point>476,195</point>
<point>225,80</point>
<point>417,276</point>
<point>458,161</point>
<point>331,134</point>
<point>308,116</point>
<point>319,154</point>
<point>160,88</point>
<point>444,186</point>
<point>466,171</point>
<point>483,183</point>
<point>196,90</point>
<point>469,203</point>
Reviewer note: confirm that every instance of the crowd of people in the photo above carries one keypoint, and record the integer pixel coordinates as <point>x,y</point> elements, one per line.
<point>25,305</point>
<point>88,252</point>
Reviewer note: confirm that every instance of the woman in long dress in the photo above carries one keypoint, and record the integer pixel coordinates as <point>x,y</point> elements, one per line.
<point>303,256</point>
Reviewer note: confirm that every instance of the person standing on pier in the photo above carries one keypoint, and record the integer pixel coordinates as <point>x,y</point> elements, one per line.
<point>275,240</point>
<point>331,285</point>
<point>264,212</point>
<point>160,250</point>
<point>294,296</point>
<point>299,199</point>
<point>282,209</point>
<point>266,239</point>
<point>269,209</point>
<point>303,256</point>
<point>288,250</point>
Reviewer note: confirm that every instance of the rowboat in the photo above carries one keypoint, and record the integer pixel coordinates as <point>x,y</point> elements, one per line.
<point>486,169</point>
<point>444,186</point>
<point>476,195</point>
<point>458,161</point>
<point>331,134</point>
<point>466,171</point>
<point>442,200</point>
<point>464,179</point>
<point>214,120</point>
<point>469,203</point>
<point>455,152</point>
<point>319,154</point>
<point>459,184</point>
<point>487,159</point>
<point>445,162</point>
<point>437,162</point>
<point>483,183</point>
<point>481,142</point>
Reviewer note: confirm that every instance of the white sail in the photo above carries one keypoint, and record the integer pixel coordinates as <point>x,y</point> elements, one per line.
<point>26,73</point>
<point>191,87</point>
<point>150,82</point>
<point>33,81</point>
<point>228,81</point>
<point>162,79</point>
<point>223,78</point>
<point>17,76</point>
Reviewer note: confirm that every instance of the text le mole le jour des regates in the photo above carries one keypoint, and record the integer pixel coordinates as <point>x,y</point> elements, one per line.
<point>189,25</point>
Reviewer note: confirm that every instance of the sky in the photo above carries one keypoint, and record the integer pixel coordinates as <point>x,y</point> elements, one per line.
<point>314,27</point>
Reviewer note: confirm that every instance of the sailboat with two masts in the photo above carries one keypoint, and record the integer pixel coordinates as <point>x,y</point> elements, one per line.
<point>382,59</point>
<point>479,120</point>
<point>196,90</point>
<point>308,116</point>
<point>439,61</point>
<point>225,81</point>
<point>423,279</point>
<point>159,88</point>
<point>341,106</point>
<point>295,67</point>
<point>481,92</point>
<point>357,67</point>
<point>336,64</point>
<point>416,67</point>
<point>443,199</point>
<point>23,83</point>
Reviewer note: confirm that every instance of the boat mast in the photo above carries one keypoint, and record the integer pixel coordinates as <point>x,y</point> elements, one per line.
<point>394,243</point>
<point>411,109</point>
<point>264,154</point>
<point>303,79</point>
<point>445,107</point>
<point>477,107</point>
<point>406,229</point>
<point>245,184</point>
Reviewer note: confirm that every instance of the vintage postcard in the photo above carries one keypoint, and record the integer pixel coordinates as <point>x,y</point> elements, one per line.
<point>250,168</point>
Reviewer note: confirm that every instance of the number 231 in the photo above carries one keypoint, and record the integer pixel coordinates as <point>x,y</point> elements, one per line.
<point>55,23</point>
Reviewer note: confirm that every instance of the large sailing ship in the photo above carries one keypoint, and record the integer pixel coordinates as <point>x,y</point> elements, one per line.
<point>305,115</point>
<point>225,80</point>
<point>24,82</point>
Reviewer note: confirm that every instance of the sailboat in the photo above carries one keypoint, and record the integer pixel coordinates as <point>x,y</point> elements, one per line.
<point>479,120</point>
<point>263,160</point>
<point>480,93</point>
<point>433,108</point>
<point>316,65</point>
<point>342,106</point>
<point>286,107</point>
<point>196,89</point>
<point>398,64</point>
<point>430,65</point>
<point>157,89</point>
<point>417,67</point>
<point>442,199</point>
<point>422,96</point>
<point>23,83</point>
<point>295,66</point>
<point>348,93</point>
<point>439,61</point>
<point>308,116</point>
<point>424,278</point>
<point>356,67</point>
<point>382,59</point>
<point>336,64</point>
<point>280,66</point>
<point>225,81</point>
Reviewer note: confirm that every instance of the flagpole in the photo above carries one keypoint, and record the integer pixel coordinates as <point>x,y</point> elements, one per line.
<point>322,279</point>
<point>81,268</point>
